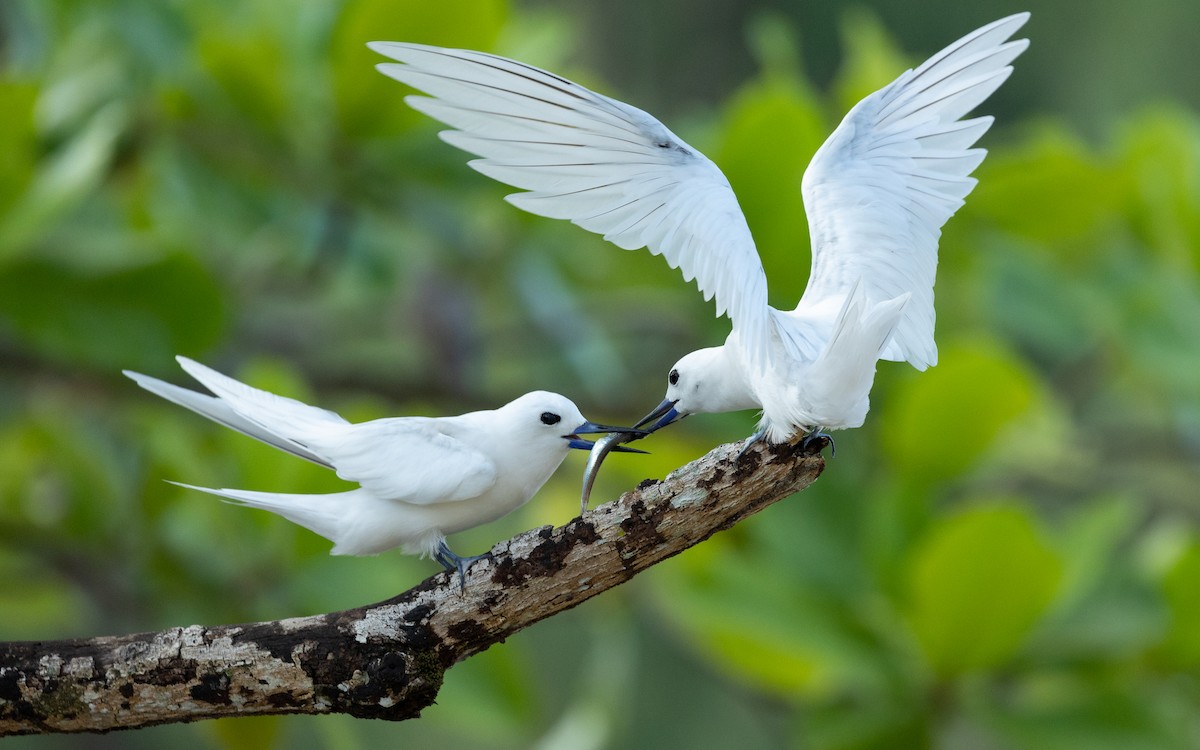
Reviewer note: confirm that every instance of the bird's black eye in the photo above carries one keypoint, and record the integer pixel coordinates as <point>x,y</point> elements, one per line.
<point>673,378</point>
<point>549,417</point>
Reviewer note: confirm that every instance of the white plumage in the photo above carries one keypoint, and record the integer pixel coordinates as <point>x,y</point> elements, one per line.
<point>876,193</point>
<point>420,478</point>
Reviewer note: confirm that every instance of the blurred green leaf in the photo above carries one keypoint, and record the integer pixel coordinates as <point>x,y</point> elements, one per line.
<point>1181,586</point>
<point>1061,712</point>
<point>1051,188</point>
<point>943,420</point>
<point>768,644</point>
<point>766,180</point>
<point>18,156</point>
<point>1103,610</point>
<point>866,723</point>
<point>70,176</point>
<point>246,733</point>
<point>135,318</point>
<point>1046,319</point>
<point>251,68</point>
<point>371,104</point>
<point>1160,151</point>
<point>1089,541</point>
<point>61,467</point>
<point>36,602</point>
<point>495,688</point>
<point>871,58</point>
<point>979,582</point>
<point>763,603</point>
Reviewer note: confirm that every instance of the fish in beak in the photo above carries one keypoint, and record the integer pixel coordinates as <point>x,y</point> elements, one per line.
<point>661,416</point>
<point>591,428</point>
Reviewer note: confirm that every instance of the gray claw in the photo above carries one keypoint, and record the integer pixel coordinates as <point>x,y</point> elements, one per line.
<point>816,435</point>
<point>451,561</point>
<point>750,441</point>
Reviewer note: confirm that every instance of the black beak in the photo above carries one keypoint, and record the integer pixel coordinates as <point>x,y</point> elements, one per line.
<point>665,413</point>
<point>591,428</point>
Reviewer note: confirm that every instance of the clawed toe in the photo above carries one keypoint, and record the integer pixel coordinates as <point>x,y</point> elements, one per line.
<point>451,561</point>
<point>750,441</point>
<point>816,435</point>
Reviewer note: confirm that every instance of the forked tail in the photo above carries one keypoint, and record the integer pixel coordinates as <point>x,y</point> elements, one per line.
<point>317,513</point>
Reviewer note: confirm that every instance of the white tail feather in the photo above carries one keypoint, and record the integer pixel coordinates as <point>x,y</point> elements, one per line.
<point>317,513</point>
<point>835,392</point>
<point>222,413</point>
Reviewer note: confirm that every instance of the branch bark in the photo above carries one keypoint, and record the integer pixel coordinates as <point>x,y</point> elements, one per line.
<point>387,660</point>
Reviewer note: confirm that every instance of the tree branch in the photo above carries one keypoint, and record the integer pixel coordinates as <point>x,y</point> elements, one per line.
<point>387,660</point>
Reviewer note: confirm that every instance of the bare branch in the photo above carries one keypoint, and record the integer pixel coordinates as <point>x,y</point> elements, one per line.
<point>386,660</point>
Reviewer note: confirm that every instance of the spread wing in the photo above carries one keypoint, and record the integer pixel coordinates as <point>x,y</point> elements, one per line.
<point>602,164</point>
<point>897,168</point>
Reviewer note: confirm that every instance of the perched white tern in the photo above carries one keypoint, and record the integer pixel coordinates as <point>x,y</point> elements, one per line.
<point>420,478</point>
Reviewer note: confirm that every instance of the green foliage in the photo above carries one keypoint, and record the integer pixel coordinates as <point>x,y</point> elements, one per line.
<point>767,180</point>
<point>1052,190</point>
<point>16,132</point>
<point>110,319</point>
<point>979,583</point>
<point>369,105</point>
<point>958,408</point>
<point>1005,555</point>
<point>872,58</point>
<point>1181,647</point>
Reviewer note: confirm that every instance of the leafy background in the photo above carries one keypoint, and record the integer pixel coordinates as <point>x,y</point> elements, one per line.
<point>1006,556</point>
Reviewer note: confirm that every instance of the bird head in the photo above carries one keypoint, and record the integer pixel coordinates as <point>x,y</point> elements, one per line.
<point>704,381</point>
<point>544,415</point>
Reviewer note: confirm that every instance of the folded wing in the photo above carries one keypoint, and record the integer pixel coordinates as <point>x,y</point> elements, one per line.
<point>410,459</point>
<point>406,459</point>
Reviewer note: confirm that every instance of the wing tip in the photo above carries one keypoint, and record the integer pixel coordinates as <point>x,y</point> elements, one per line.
<point>148,382</point>
<point>1010,22</point>
<point>394,50</point>
<point>192,367</point>
<point>1019,44</point>
<point>1018,19</point>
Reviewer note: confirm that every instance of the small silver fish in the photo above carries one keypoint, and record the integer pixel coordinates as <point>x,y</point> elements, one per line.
<point>601,448</point>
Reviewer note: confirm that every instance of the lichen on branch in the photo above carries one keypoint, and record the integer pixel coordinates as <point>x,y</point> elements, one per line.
<point>387,660</point>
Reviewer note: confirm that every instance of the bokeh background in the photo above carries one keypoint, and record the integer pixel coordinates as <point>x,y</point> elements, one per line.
<point>1006,556</point>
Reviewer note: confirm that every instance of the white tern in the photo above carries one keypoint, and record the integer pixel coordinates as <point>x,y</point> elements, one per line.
<point>420,478</point>
<point>876,195</point>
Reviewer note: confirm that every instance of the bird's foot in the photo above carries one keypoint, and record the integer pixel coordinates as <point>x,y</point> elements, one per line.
<point>451,561</point>
<point>758,435</point>
<point>819,434</point>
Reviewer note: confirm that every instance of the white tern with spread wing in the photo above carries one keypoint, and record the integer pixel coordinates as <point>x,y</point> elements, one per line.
<point>876,194</point>
<point>420,478</point>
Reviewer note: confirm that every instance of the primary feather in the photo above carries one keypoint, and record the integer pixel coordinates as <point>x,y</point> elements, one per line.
<point>880,188</point>
<point>597,162</point>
